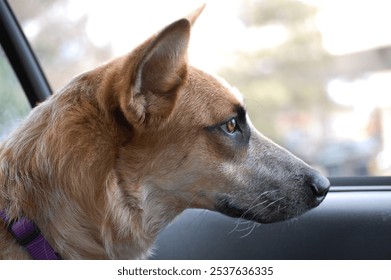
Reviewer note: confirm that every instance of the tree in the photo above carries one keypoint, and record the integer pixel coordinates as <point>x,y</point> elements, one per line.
<point>287,78</point>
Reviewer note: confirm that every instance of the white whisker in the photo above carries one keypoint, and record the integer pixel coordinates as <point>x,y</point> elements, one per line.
<point>239,222</point>
<point>252,206</point>
<point>267,206</point>
<point>252,229</point>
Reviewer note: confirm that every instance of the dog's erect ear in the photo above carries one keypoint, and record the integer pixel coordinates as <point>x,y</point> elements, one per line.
<point>158,75</point>
<point>194,15</point>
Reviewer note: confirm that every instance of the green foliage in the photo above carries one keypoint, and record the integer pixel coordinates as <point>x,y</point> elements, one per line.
<point>13,103</point>
<point>287,12</point>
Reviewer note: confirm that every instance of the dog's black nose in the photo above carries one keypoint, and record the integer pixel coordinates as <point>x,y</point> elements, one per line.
<point>320,185</point>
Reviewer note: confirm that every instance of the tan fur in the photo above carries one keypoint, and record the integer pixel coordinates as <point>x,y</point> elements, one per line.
<point>106,163</point>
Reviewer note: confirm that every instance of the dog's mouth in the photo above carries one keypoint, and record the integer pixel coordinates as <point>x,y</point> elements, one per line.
<point>226,207</point>
<point>268,211</point>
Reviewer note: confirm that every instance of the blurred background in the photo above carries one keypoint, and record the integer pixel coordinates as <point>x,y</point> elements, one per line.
<point>316,75</point>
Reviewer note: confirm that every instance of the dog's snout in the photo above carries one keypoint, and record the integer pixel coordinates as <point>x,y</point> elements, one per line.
<point>319,185</point>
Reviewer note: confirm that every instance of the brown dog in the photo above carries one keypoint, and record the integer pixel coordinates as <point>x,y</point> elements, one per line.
<point>102,166</point>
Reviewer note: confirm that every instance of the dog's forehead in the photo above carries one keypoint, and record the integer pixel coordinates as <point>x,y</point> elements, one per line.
<point>215,87</point>
<point>211,99</point>
<point>234,92</point>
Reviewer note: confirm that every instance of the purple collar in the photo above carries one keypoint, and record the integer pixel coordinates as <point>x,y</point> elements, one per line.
<point>28,235</point>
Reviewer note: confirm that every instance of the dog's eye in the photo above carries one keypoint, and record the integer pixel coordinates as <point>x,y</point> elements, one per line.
<point>231,126</point>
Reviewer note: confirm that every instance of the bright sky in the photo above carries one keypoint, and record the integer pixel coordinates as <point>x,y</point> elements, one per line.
<point>346,26</point>
<point>125,24</point>
<point>351,25</point>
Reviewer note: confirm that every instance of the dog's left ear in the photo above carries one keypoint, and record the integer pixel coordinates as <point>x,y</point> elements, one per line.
<point>158,75</point>
<point>159,72</point>
<point>195,14</point>
<point>164,65</point>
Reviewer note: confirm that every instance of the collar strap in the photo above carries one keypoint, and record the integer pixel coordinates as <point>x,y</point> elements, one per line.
<point>28,235</point>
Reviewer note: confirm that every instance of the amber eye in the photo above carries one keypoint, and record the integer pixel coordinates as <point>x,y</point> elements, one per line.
<point>231,126</point>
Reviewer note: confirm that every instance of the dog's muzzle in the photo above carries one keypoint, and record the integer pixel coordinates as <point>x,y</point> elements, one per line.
<point>277,203</point>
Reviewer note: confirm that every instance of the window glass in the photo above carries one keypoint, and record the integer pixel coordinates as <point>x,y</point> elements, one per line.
<point>14,105</point>
<point>315,75</point>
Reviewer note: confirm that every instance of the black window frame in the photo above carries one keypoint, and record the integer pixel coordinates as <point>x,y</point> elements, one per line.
<point>22,58</point>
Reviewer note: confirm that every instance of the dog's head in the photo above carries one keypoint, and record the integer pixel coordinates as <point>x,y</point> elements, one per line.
<point>190,143</point>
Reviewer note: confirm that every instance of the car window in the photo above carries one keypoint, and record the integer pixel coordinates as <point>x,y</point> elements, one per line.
<point>14,105</point>
<point>315,76</point>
